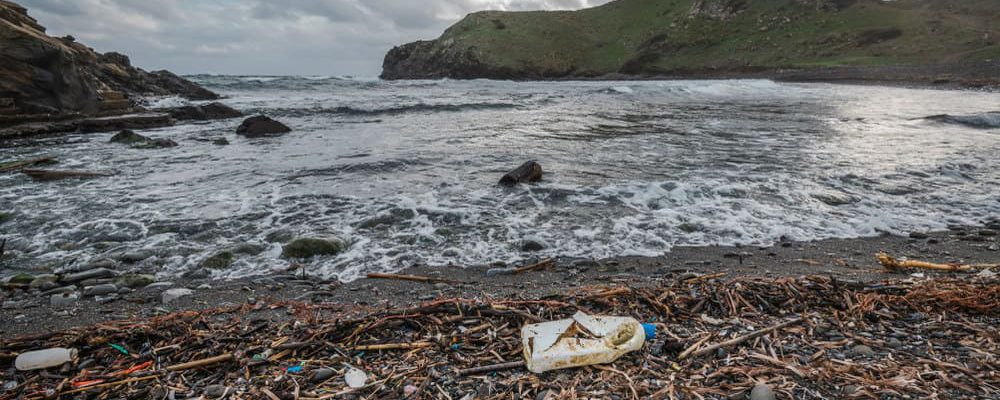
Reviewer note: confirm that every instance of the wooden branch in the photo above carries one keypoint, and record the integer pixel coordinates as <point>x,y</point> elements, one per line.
<point>412,278</point>
<point>491,368</point>
<point>26,163</point>
<point>393,346</point>
<point>893,264</point>
<point>52,175</point>
<point>539,265</point>
<point>112,384</point>
<point>729,343</point>
<point>200,363</point>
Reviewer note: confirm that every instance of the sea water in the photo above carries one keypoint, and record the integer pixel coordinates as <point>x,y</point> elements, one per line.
<point>406,173</point>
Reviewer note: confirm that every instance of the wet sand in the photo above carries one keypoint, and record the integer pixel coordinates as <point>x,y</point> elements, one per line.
<point>843,259</point>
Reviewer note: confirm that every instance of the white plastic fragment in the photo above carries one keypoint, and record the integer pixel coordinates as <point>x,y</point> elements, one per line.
<point>355,378</point>
<point>41,359</point>
<point>579,341</point>
<point>174,294</point>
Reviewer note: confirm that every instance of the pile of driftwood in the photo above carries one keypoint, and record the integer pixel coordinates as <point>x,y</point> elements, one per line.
<point>805,338</point>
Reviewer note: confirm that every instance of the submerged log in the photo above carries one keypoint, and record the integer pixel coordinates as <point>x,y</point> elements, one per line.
<point>50,175</point>
<point>16,165</point>
<point>530,171</point>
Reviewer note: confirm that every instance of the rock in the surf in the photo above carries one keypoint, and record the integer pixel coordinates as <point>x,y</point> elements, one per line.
<point>205,112</point>
<point>261,126</point>
<point>221,260</point>
<point>311,247</point>
<point>141,142</point>
<point>530,171</point>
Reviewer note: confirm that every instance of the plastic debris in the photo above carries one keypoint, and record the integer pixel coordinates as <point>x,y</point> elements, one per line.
<point>355,378</point>
<point>42,359</point>
<point>294,369</point>
<point>120,348</point>
<point>174,294</point>
<point>579,341</point>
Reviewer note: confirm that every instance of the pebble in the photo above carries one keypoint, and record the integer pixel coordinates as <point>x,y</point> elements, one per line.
<point>59,290</point>
<point>987,232</point>
<point>44,282</point>
<point>174,294</point>
<point>499,271</point>
<point>96,273</point>
<point>204,286</point>
<point>894,343</point>
<point>918,235</point>
<point>159,285</point>
<point>863,351</point>
<point>721,353</point>
<point>762,392</point>
<point>100,263</point>
<point>322,374</point>
<point>409,390</point>
<point>100,290</point>
<point>135,256</point>
<point>11,304</point>
<point>215,391</point>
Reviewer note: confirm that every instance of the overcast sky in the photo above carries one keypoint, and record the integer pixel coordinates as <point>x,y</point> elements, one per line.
<point>307,37</point>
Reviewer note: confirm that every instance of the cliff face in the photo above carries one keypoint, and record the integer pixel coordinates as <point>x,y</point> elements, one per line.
<point>646,37</point>
<point>45,74</point>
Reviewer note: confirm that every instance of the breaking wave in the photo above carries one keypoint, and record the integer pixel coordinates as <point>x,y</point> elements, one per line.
<point>989,120</point>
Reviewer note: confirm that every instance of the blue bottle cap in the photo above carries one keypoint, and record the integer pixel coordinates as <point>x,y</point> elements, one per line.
<point>650,330</point>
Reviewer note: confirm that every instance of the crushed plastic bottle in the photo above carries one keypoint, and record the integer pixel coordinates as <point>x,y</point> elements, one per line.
<point>41,359</point>
<point>581,340</point>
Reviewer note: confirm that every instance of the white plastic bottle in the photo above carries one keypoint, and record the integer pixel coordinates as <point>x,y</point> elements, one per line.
<point>581,340</point>
<point>47,358</point>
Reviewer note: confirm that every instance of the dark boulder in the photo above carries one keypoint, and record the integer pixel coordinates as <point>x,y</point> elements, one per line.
<point>530,171</point>
<point>311,247</point>
<point>128,137</point>
<point>205,112</point>
<point>141,142</point>
<point>261,126</point>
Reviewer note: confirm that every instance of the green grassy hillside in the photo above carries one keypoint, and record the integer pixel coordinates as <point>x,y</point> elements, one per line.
<point>669,36</point>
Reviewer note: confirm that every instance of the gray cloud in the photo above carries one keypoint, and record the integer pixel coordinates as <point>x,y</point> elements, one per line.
<point>263,37</point>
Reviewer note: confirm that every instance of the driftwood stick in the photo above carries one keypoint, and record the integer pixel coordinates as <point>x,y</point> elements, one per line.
<point>490,368</point>
<point>112,384</point>
<point>539,265</point>
<point>729,343</point>
<point>393,346</point>
<point>200,363</point>
<point>26,163</point>
<point>412,278</point>
<point>52,175</point>
<point>893,264</point>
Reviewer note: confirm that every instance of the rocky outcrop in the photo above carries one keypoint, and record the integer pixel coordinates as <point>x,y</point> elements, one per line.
<point>48,75</point>
<point>718,9</point>
<point>434,60</point>
<point>705,39</point>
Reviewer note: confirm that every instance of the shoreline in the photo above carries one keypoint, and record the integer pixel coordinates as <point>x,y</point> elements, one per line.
<point>850,260</point>
<point>971,76</point>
